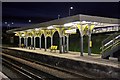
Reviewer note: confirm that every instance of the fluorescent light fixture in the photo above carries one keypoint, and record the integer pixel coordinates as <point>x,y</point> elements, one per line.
<point>16,34</point>
<point>86,22</point>
<point>111,24</point>
<point>29,30</point>
<point>50,27</point>
<point>36,29</point>
<point>70,31</point>
<point>68,24</point>
<point>77,22</point>
<point>83,21</point>
<point>98,26</point>
<point>101,24</point>
<point>23,35</point>
<point>93,30</point>
<point>95,22</point>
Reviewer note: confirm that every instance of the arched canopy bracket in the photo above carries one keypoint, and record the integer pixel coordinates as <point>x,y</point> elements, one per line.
<point>85,29</point>
<point>60,31</point>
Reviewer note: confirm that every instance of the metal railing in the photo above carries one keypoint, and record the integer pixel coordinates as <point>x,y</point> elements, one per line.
<point>110,42</point>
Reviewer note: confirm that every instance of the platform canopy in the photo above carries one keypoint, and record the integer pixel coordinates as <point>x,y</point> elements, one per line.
<point>69,21</point>
<point>86,25</point>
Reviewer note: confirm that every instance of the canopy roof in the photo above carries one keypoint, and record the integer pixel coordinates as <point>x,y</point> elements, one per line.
<point>69,19</point>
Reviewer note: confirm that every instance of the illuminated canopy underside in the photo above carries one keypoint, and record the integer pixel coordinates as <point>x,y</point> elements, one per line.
<point>77,19</point>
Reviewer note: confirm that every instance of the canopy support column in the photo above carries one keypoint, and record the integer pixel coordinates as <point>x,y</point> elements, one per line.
<point>31,42</point>
<point>60,45</point>
<point>81,39</point>
<point>60,39</point>
<point>67,44</point>
<point>63,44</point>
<point>19,41</point>
<point>34,43</point>
<point>26,42</point>
<point>40,42</point>
<point>51,40</point>
<point>81,29</point>
<point>81,45</point>
<point>89,40</point>
<point>45,43</point>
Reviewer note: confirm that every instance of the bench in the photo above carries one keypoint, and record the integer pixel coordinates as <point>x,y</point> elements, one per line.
<point>53,48</point>
<point>22,45</point>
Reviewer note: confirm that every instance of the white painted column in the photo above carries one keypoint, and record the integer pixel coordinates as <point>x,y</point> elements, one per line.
<point>26,42</point>
<point>63,44</point>
<point>89,48</point>
<point>89,39</point>
<point>60,45</point>
<point>31,42</point>
<point>40,42</point>
<point>67,43</point>
<point>45,43</point>
<point>19,41</point>
<point>81,45</point>
<point>51,40</point>
<point>81,41</point>
<point>34,42</point>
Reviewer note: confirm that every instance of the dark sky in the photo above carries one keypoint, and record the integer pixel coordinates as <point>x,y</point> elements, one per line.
<point>20,13</point>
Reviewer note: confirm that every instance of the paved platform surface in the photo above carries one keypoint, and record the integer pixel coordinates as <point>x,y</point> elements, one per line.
<point>4,77</point>
<point>94,58</point>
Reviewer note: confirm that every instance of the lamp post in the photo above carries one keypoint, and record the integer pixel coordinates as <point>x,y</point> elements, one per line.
<point>70,9</point>
<point>58,16</point>
<point>5,22</point>
<point>8,26</point>
<point>12,23</point>
<point>29,21</point>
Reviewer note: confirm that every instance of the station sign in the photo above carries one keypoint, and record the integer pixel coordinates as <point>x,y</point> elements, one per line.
<point>71,31</point>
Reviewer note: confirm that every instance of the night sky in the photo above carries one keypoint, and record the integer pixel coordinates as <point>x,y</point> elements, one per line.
<point>20,13</point>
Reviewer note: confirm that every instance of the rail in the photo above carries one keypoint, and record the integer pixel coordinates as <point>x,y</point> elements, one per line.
<point>65,72</point>
<point>22,71</point>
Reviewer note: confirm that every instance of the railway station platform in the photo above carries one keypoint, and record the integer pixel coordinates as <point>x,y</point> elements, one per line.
<point>94,58</point>
<point>93,65</point>
<point>4,77</point>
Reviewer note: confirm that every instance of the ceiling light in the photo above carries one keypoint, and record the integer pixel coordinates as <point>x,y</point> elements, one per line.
<point>36,29</point>
<point>50,27</point>
<point>68,24</point>
<point>85,22</point>
<point>77,22</point>
<point>23,35</point>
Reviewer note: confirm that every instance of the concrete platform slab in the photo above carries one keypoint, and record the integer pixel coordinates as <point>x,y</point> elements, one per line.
<point>87,65</point>
<point>94,58</point>
<point>3,76</point>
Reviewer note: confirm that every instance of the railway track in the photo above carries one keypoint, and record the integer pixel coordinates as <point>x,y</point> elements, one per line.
<point>35,58</point>
<point>31,68</point>
<point>27,71</point>
<point>18,69</point>
<point>50,66</point>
